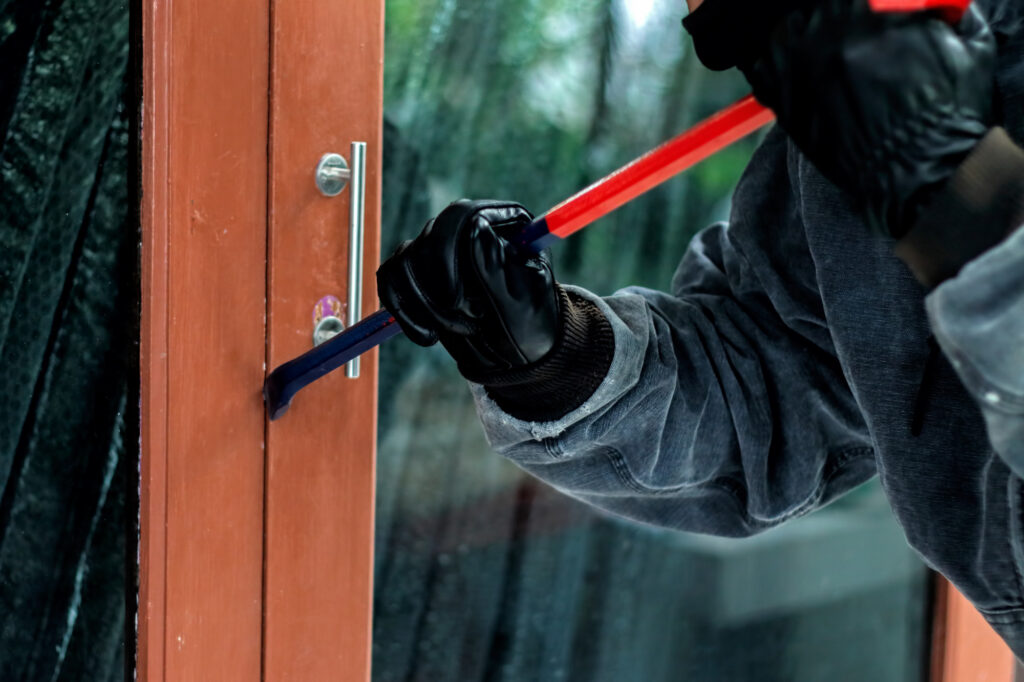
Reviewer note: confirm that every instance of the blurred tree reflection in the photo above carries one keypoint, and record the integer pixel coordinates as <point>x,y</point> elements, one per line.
<point>483,573</point>
<point>534,100</point>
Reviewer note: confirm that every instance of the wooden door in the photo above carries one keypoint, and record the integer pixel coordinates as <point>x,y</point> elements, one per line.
<point>256,538</point>
<point>964,647</point>
<point>203,341</point>
<point>326,92</point>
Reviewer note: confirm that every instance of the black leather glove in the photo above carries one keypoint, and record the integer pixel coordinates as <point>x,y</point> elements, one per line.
<point>494,307</point>
<point>497,309</point>
<point>885,105</point>
<point>728,33</point>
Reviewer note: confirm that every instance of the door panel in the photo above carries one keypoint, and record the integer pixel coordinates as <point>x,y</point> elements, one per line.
<point>256,545</point>
<point>326,84</point>
<point>202,339</point>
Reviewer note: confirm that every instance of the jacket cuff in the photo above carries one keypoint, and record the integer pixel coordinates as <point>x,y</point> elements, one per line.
<point>563,379</point>
<point>979,207</point>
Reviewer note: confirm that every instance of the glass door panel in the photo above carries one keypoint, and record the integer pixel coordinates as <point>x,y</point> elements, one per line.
<point>484,573</point>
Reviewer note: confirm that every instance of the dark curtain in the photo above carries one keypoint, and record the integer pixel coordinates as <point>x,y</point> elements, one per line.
<point>68,277</point>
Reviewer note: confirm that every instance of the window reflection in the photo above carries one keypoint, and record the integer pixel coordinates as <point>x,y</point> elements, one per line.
<point>484,573</point>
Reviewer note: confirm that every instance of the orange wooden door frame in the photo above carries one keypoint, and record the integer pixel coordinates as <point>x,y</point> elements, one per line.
<point>255,539</point>
<point>964,647</point>
<point>204,176</point>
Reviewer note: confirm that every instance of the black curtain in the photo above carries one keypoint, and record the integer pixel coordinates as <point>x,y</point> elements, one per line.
<point>68,330</point>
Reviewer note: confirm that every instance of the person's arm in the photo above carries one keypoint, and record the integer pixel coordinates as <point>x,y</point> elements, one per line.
<point>723,408</point>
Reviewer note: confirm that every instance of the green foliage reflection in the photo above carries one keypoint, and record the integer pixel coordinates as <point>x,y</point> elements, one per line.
<point>531,101</point>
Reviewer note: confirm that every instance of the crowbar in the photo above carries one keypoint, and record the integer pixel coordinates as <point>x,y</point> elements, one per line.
<point>599,199</point>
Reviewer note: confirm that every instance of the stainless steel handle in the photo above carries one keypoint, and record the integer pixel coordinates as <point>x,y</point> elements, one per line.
<point>357,207</point>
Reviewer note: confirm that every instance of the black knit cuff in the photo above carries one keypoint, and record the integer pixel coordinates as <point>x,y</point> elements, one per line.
<point>978,207</point>
<point>563,379</point>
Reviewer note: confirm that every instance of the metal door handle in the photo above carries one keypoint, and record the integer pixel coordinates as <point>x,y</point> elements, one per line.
<point>332,174</point>
<point>356,214</point>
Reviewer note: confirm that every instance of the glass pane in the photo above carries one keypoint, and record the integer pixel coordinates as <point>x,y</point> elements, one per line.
<point>484,573</point>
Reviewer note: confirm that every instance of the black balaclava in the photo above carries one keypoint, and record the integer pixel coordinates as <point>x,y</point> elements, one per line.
<point>728,33</point>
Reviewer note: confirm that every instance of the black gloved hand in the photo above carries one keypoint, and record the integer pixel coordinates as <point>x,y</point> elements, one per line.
<point>728,33</point>
<point>885,105</point>
<point>539,350</point>
<point>493,306</point>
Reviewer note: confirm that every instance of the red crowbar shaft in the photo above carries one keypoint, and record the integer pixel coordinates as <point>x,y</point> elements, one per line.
<point>599,199</point>
<point>952,11</point>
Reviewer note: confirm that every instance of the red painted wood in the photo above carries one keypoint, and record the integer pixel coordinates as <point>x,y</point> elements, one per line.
<point>326,92</point>
<point>153,346</point>
<point>203,338</point>
<point>964,647</point>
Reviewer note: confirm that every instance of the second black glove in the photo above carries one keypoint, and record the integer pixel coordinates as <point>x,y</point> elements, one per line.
<point>885,105</point>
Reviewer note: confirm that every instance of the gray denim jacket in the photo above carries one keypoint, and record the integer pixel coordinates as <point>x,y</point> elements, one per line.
<point>791,360</point>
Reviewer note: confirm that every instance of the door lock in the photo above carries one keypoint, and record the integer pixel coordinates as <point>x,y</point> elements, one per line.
<point>327,322</point>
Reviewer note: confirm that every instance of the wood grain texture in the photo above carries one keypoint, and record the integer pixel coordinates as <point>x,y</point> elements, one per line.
<point>965,648</point>
<point>203,338</point>
<point>326,92</point>
<point>153,344</point>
